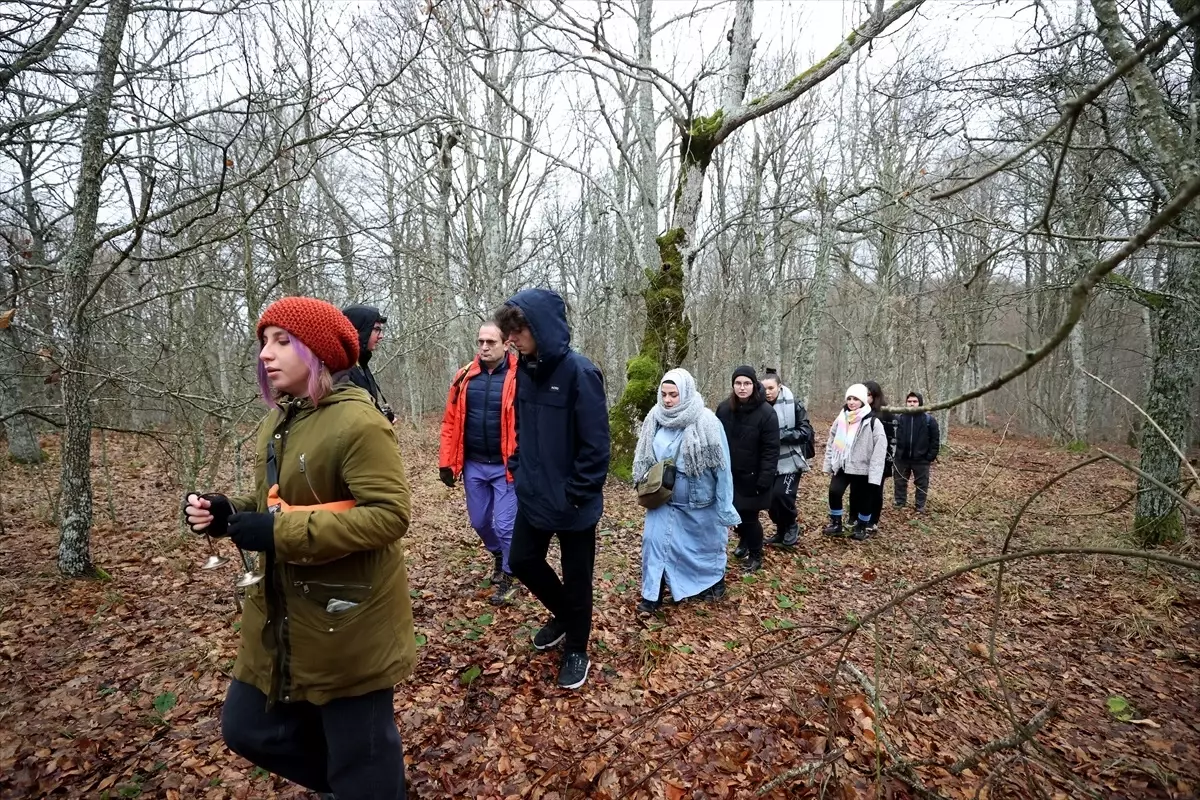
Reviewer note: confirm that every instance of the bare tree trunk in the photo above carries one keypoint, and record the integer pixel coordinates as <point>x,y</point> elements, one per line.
<point>818,291</point>
<point>647,176</point>
<point>74,546</point>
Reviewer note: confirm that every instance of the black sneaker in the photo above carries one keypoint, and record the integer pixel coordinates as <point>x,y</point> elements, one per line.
<point>573,670</point>
<point>649,606</point>
<point>872,530</point>
<point>551,635</point>
<point>919,509</point>
<point>741,551</point>
<point>506,590</point>
<point>791,537</point>
<point>860,532</point>
<point>753,563</point>
<point>777,539</point>
<point>497,568</point>
<point>834,528</point>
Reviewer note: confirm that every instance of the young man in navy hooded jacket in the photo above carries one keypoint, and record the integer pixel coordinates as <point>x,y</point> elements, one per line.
<point>558,470</point>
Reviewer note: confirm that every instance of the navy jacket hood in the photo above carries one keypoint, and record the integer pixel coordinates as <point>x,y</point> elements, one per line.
<point>918,395</point>
<point>363,318</point>
<point>546,314</point>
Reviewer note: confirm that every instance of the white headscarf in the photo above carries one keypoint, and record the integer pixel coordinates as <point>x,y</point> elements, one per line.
<point>701,447</point>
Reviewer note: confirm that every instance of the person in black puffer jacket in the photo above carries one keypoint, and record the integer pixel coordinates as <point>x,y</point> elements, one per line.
<point>753,433</point>
<point>918,441</point>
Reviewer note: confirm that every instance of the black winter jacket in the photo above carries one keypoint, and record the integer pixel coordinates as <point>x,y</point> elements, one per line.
<point>563,445</point>
<point>918,437</point>
<point>364,318</point>
<point>753,433</point>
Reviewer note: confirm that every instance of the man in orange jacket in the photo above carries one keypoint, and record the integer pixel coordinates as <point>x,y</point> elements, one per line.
<point>478,437</point>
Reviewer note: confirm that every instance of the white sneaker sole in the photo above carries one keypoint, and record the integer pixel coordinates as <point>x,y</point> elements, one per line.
<point>581,681</point>
<point>552,645</point>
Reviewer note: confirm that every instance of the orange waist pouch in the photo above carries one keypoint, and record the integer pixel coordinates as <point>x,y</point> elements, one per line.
<point>277,503</point>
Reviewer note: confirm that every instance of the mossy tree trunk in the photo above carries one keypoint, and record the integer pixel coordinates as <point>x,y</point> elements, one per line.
<point>1176,340</point>
<point>1175,320</point>
<point>665,341</point>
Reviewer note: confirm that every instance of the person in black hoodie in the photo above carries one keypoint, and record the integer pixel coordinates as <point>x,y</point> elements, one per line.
<point>752,429</point>
<point>918,441</point>
<point>369,323</point>
<point>558,470</point>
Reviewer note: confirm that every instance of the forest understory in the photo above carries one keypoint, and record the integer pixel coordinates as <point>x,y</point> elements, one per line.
<point>112,688</point>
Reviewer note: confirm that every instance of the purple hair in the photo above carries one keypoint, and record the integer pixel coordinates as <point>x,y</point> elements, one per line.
<point>316,387</point>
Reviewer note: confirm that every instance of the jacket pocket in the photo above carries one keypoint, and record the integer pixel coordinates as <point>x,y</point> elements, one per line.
<point>702,491</point>
<point>321,592</point>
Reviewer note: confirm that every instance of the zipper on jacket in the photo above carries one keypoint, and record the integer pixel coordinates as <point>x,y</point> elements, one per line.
<point>487,407</point>
<point>303,585</point>
<point>282,628</point>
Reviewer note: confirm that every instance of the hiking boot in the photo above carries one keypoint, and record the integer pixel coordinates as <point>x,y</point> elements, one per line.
<point>497,568</point>
<point>834,528</point>
<point>919,509</point>
<point>506,590</point>
<point>753,563</point>
<point>713,593</point>
<point>860,531</point>
<point>551,635</point>
<point>573,670</point>
<point>791,536</point>
<point>649,606</point>
<point>741,551</point>
<point>872,530</point>
<point>777,539</point>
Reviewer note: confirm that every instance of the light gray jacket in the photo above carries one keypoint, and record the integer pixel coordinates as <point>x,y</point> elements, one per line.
<point>791,445</point>
<point>868,451</point>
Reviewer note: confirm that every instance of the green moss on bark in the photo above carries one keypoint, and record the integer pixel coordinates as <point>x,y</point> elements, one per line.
<point>1152,532</point>
<point>664,346</point>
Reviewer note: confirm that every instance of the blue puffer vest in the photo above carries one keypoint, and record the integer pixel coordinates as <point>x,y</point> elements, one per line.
<point>481,431</point>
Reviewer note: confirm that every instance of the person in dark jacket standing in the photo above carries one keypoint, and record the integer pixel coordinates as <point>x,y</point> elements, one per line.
<point>558,469</point>
<point>369,323</point>
<point>795,448</point>
<point>918,441</point>
<point>878,400</point>
<point>478,436</point>
<point>753,433</point>
<point>328,632</point>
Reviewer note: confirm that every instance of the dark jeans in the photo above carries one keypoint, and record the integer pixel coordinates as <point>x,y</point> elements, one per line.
<point>350,746</point>
<point>783,500</point>
<point>569,599</point>
<point>861,495</point>
<point>920,473</point>
<point>750,531</point>
<point>877,494</point>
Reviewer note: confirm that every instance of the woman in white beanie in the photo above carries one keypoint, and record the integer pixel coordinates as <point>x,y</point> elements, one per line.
<point>855,453</point>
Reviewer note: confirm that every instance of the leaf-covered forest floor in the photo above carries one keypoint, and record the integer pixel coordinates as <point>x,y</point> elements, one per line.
<point>113,688</point>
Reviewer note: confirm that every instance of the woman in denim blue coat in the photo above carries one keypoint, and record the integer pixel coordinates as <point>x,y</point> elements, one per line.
<point>684,545</point>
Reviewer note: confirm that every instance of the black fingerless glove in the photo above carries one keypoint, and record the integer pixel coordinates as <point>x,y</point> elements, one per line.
<point>220,508</point>
<point>253,530</point>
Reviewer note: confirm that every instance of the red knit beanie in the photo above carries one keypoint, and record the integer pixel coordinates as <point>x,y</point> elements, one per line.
<point>322,327</point>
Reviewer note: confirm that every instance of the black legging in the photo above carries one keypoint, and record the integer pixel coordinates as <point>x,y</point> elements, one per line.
<point>860,495</point>
<point>750,531</point>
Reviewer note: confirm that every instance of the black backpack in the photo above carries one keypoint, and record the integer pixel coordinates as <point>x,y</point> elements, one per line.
<point>806,430</point>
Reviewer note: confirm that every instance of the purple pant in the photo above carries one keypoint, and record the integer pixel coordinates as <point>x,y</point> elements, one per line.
<point>491,505</point>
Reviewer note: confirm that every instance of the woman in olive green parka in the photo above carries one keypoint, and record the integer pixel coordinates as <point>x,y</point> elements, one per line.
<point>328,633</point>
